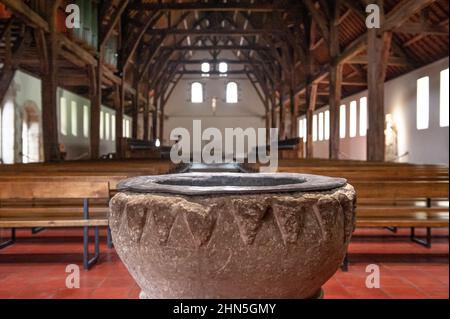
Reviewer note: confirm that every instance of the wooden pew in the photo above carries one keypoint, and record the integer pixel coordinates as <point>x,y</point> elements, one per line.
<point>370,215</point>
<point>34,215</point>
<point>388,193</point>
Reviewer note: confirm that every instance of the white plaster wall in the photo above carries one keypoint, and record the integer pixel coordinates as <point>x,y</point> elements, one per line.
<point>423,146</point>
<point>430,146</point>
<point>26,88</point>
<point>77,147</point>
<point>180,112</point>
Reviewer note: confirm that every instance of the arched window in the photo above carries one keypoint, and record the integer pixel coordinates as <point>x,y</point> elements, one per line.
<point>232,92</point>
<point>223,68</point>
<point>196,92</point>
<point>206,68</point>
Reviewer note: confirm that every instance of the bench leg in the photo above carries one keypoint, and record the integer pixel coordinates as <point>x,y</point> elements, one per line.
<point>392,229</point>
<point>344,266</point>
<point>88,263</point>
<point>37,230</point>
<point>10,241</point>
<point>109,238</point>
<point>426,242</point>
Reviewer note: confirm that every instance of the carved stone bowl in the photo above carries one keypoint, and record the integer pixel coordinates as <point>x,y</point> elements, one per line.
<point>232,235</point>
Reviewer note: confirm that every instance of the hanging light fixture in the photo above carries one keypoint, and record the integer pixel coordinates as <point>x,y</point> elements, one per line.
<point>214,105</point>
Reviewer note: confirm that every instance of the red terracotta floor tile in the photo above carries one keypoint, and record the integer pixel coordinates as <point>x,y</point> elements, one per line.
<point>111,293</point>
<point>35,267</point>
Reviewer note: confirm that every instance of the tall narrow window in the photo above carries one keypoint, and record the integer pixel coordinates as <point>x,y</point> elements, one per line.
<point>86,121</point>
<point>353,118</point>
<point>305,127</point>
<point>113,127</point>
<point>107,126</point>
<point>443,99</point>
<point>321,126</point>
<point>197,92</point>
<point>206,68</point>
<point>63,115</point>
<point>314,127</point>
<point>74,118</point>
<point>8,131</point>
<point>128,128</point>
<point>0,134</point>
<point>102,125</point>
<point>363,116</point>
<point>342,121</point>
<point>300,128</point>
<point>232,92</point>
<point>423,103</point>
<point>327,125</point>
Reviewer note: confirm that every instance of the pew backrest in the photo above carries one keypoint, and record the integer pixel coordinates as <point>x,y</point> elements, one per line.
<point>53,190</point>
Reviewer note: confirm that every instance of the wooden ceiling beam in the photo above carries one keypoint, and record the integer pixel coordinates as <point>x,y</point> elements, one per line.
<point>320,20</point>
<point>402,12</point>
<point>214,32</point>
<point>217,47</point>
<point>76,49</point>
<point>425,29</point>
<point>195,72</point>
<point>133,42</point>
<point>107,31</point>
<point>28,15</point>
<point>216,61</point>
<point>363,59</point>
<point>216,7</point>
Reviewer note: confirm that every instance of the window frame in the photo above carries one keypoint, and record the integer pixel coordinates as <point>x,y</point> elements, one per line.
<point>423,103</point>
<point>74,118</point>
<point>63,115</point>
<point>443,98</point>
<point>326,119</point>
<point>227,94</point>
<point>363,116</point>
<point>201,92</point>
<point>353,119</point>
<point>342,121</point>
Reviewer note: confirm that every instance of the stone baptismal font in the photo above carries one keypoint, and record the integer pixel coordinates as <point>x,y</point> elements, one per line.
<point>232,235</point>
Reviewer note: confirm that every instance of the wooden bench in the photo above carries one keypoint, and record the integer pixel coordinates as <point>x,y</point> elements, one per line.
<point>388,192</point>
<point>403,215</point>
<point>34,214</point>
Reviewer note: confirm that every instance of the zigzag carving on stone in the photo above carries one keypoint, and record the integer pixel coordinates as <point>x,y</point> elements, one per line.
<point>164,218</point>
<point>316,213</point>
<point>201,227</point>
<point>132,213</point>
<point>248,214</point>
<point>200,220</point>
<point>288,221</point>
<point>135,215</point>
